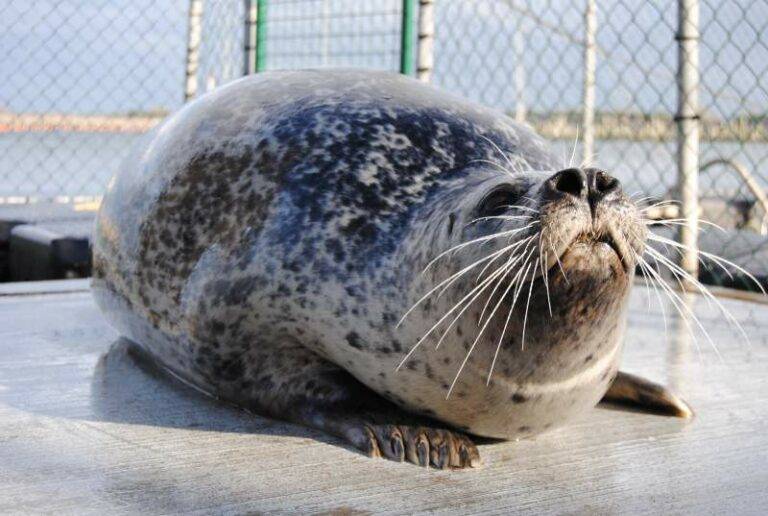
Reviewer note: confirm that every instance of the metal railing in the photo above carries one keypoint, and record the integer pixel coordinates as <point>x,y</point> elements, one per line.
<point>651,89</point>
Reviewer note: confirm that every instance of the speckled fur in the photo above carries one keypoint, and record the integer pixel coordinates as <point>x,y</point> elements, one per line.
<point>265,240</point>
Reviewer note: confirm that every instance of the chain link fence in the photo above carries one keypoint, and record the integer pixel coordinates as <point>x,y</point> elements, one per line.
<point>84,78</point>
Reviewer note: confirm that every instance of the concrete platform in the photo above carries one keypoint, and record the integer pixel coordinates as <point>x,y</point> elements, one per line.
<point>84,429</point>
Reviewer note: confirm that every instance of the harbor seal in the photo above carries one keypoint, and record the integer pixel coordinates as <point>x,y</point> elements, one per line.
<point>363,254</point>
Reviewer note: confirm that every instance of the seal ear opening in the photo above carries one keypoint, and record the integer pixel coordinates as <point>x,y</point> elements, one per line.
<point>451,222</point>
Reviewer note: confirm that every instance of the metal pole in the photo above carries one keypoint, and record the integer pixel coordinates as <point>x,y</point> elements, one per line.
<point>588,89</point>
<point>519,46</point>
<point>261,35</point>
<point>251,15</point>
<point>326,31</point>
<point>426,43</point>
<point>688,131</point>
<point>193,48</point>
<point>406,38</point>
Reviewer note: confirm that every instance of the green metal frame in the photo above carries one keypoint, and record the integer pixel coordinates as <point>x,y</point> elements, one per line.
<point>261,35</point>
<point>406,37</point>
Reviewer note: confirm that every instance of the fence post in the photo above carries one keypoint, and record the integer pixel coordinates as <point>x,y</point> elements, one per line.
<point>588,88</point>
<point>194,30</point>
<point>261,35</point>
<point>326,31</point>
<point>406,38</point>
<point>426,43</point>
<point>251,17</point>
<point>688,131</point>
<point>518,43</point>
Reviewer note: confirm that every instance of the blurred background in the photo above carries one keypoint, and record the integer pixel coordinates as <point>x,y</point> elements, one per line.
<point>670,96</point>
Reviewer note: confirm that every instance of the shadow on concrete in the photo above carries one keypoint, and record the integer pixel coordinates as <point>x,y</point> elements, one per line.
<point>128,388</point>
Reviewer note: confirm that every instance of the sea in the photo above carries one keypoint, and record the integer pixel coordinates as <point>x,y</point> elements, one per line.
<point>46,166</point>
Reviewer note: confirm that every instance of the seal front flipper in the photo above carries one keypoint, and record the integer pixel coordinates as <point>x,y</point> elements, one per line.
<point>391,433</point>
<point>631,390</point>
<point>284,380</point>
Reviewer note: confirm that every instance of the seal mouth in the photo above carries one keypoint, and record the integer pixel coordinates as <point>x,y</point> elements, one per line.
<point>605,238</point>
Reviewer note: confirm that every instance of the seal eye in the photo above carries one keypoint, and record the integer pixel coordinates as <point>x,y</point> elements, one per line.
<point>498,202</point>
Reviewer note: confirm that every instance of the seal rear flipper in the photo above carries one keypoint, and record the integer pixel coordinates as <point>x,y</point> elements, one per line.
<point>628,389</point>
<point>287,381</point>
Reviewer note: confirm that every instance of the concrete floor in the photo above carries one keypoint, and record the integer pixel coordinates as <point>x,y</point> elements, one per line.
<point>84,429</point>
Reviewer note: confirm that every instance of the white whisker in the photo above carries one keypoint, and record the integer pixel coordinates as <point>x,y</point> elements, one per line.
<point>516,294</point>
<point>477,240</point>
<point>481,287</point>
<point>477,339</point>
<point>527,305</point>
<point>717,259</point>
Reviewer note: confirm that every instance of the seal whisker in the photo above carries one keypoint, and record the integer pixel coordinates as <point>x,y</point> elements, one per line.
<point>640,263</point>
<point>557,259</point>
<point>516,294</point>
<point>682,222</point>
<point>527,305</point>
<point>522,256</point>
<point>500,217</point>
<point>478,289</point>
<point>501,152</point>
<point>679,272</point>
<point>506,268</point>
<point>511,245</point>
<point>573,152</point>
<point>479,239</point>
<point>512,248</point>
<point>503,270</point>
<point>477,339</point>
<point>659,204</point>
<point>544,272</point>
<point>450,279</point>
<point>719,260</point>
<point>679,305</point>
<point>518,207</point>
<point>496,164</point>
<point>644,265</point>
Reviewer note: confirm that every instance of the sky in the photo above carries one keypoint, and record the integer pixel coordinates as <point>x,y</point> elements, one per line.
<point>107,56</point>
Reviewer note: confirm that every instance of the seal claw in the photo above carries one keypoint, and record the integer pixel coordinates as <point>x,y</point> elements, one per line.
<point>423,446</point>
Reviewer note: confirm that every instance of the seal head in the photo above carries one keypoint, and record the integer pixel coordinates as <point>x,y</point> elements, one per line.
<point>520,317</point>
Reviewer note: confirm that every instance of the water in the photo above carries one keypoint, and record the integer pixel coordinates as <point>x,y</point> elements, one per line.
<point>45,165</point>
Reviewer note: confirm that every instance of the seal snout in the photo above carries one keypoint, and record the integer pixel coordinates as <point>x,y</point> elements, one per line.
<point>591,185</point>
<point>588,206</point>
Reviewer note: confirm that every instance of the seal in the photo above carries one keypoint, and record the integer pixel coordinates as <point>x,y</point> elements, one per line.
<point>363,254</point>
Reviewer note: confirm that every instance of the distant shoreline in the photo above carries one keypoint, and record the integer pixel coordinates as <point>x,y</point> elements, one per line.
<point>566,126</point>
<point>61,122</point>
<point>645,127</point>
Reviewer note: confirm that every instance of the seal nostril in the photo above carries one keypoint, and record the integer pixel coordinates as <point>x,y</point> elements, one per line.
<point>605,183</point>
<point>570,181</point>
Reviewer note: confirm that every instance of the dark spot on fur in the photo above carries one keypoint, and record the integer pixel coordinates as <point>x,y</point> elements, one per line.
<point>518,398</point>
<point>354,340</point>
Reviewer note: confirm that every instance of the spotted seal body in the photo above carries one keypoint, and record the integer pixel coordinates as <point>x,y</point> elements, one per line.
<point>265,241</point>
